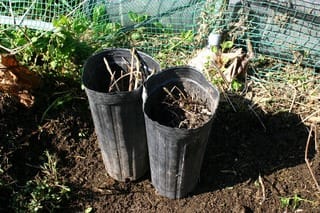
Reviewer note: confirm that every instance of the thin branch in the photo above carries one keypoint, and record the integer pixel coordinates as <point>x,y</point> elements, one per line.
<point>293,99</point>
<point>137,67</point>
<point>169,93</point>
<point>131,70</point>
<point>179,90</point>
<point>6,49</point>
<point>258,117</point>
<point>306,158</point>
<point>312,114</point>
<point>316,138</point>
<point>3,5</point>
<point>18,49</point>
<point>121,77</point>
<point>263,190</point>
<point>221,73</point>
<point>224,93</point>
<point>111,75</point>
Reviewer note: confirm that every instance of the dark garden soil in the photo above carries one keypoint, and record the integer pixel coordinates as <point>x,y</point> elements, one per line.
<point>246,168</point>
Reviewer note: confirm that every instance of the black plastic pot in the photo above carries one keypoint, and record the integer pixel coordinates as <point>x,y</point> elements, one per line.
<point>176,154</point>
<point>117,116</point>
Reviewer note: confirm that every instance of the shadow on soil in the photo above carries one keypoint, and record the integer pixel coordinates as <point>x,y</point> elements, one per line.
<point>241,147</point>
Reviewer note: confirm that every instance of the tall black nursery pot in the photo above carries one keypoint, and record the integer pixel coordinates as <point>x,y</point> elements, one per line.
<point>117,116</point>
<point>176,154</point>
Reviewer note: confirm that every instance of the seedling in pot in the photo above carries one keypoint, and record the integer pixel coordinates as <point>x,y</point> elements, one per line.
<point>184,110</point>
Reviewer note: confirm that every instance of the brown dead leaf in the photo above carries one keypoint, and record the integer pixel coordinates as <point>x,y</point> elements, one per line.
<point>232,55</point>
<point>9,60</point>
<point>25,78</point>
<point>238,67</point>
<point>26,98</point>
<point>17,80</point>
<point>234,63</point>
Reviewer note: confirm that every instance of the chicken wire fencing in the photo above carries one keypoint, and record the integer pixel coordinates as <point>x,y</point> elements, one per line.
<point>39,14</point>
<point>285,29</point>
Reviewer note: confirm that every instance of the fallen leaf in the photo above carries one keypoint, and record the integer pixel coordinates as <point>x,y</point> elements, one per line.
<point>17,80</point>
<point>25,78</point>
<point>26,98</point>
<point>238,67</point>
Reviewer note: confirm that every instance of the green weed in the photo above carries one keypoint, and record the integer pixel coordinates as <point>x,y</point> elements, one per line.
<point>45,193</point>
<point>293,202</point>
<point>62,99</point>
<point>226,45</point>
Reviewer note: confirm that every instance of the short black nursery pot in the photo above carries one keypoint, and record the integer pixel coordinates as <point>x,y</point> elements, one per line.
<point>118,116</point>
<point>176,152</point>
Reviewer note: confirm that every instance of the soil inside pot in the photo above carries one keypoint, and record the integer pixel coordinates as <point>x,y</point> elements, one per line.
<point>181,109</point>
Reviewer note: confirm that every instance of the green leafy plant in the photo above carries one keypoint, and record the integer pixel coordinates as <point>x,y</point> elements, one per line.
<point>184,38</point>
<point>99,13</point>
<point>63,51</point>
<point>57,52</point>
<point>137,18</point>
<point>236,85</point>
<point>226,45</point>
<point>293,202</point>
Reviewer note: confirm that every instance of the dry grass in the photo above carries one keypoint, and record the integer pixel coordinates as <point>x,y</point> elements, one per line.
<point>290,88</point>
<point>273,86</point>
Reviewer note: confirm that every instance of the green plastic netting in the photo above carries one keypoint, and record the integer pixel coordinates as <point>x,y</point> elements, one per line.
<point>39,14</point>
<point>286,29</point>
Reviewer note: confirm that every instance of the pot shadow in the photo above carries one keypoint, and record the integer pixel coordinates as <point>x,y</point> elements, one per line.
<point>240,147</point>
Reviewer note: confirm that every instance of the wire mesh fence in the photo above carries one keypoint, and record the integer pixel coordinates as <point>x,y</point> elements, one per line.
<point>36,14</point>
<point>287,29</point>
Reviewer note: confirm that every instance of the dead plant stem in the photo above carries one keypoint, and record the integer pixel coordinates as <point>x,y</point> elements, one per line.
<point>263,190</point>
<point>169,93</point>
<point>224,93</point>
<point>112,80</point>
<point>258,117</point>
<point>306,157</point>
<point>136,83</point>
<point>316,138</point>
<point>118,79</point>
<point>131,71</point>
<point>180,92</point>
<point>293,99</point>
<point>312,114</point>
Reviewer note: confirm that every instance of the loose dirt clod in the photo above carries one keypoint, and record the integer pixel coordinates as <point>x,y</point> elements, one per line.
<point>185,110</point>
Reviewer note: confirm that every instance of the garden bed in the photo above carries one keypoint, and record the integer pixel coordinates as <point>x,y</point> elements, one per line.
<point>264,135</point>
<point>255,158</point>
